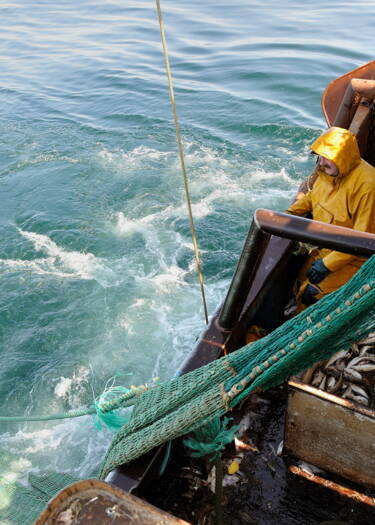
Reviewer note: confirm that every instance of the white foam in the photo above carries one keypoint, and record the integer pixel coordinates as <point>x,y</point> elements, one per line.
<point>61,263</point>
<point>127,324</point>
<point>173,276</point>
<point>39,159</point>
<point>51,449</point>
<point>73,388</point>
<point>200,154</point>
<point>141,155</point>
<point>212,179</point>
<point>128,226</point>
<point>36,266</point>
<point>71,445</point>
<point>261,174</point>
<point>138,303</point>
<point>157,319</point>
<point>63,386</point>
<point>125,225</point>
<point>16,469</point>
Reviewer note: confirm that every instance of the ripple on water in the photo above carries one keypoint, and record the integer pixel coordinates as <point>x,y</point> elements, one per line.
<point>97,269</point>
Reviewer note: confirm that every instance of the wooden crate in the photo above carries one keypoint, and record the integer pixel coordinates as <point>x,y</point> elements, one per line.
<point>331,433</point>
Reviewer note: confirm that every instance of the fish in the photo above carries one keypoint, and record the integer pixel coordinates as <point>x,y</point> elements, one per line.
<point>354,362</point>
<point>351,374</point>
<point>358,399</point>
<point>347,391</point>
<point>339,384</point>
<point>308,374</point>
<point>355,348</point>
<point>369,340</point>
<point>338,355</point>
<point>360,391</point>
<point>367,348</point>
<point>331,382</point>
<point>340,365</point>
<point>344,373</point>
<point>323,383</point>
<point>353,396</point>
<point>366,367</point>
<point>317,379</point>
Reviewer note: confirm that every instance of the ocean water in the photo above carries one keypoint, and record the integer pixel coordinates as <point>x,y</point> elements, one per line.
<point>97,276</point>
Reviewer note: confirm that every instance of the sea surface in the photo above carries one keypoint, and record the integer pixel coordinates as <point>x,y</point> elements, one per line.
<point>98,285</point>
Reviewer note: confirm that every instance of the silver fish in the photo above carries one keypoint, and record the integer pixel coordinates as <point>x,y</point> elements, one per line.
<point>355,348</point>
<point>369,340</point>
<point>323,383</point>
<point>354,362</point>
<point>351,374</point>
<point>368,348</point>
<point>331,383</point>
<point>347,391</point>
<point>317,379</point>
<point>366,367</point>
<point>360,391</point>
<point>338,386</point>
<point>340,365</point>
<point>358,399</point>
<point>364,350</point>
<point>338,355</point>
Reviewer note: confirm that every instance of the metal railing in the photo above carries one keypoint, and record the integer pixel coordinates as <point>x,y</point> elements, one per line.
<point>266,223</point>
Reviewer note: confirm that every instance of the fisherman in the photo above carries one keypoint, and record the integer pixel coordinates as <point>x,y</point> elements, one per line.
<point>343,194</point>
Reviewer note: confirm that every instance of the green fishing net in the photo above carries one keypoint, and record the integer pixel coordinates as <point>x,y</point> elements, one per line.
<point>21,505</point>
<point>186,403</point>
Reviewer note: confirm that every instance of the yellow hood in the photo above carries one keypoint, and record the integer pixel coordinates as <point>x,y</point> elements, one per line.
<point>340,146</point>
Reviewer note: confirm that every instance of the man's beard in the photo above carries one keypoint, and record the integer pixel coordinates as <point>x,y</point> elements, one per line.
<point>323,169</point>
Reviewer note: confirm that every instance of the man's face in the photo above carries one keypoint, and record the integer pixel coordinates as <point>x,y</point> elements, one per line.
<point>328,166</point>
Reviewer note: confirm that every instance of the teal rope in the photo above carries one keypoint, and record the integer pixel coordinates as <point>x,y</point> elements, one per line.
<point>212,438</point>
<point>123,401</point>
<point>66,415</point>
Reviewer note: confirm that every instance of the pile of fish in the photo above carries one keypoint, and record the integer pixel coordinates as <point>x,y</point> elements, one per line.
<point>349,374</point>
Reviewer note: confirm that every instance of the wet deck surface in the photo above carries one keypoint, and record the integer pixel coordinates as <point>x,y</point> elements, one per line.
<point>265,493</point>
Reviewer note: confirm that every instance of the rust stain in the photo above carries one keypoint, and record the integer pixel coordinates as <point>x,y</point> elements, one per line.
<point>218,345</point>
<point>344,491</point>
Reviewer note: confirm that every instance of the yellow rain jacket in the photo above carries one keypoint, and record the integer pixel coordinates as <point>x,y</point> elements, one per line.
<point>346,200</point>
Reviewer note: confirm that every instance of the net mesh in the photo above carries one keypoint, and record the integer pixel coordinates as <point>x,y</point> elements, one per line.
<point>21,505</point>
<point>186,403</point>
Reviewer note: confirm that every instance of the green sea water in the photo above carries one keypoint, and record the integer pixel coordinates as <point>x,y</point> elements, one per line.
<point>97,276</point>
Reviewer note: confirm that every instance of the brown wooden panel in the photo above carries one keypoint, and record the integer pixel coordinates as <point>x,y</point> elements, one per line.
<point>334,436</point>
<point>94,502</point>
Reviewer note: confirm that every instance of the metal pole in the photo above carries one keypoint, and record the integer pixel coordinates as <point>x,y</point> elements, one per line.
<point>321,234</point>
<point>252,253</point>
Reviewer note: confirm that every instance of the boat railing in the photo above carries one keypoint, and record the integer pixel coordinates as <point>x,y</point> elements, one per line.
<point>266,223</point>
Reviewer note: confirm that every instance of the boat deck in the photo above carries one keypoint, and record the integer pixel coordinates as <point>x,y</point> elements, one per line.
<point>264,492</point>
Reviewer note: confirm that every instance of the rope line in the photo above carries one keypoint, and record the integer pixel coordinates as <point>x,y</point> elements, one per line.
<point>123,401</point>
<point>181,156</point>
<point>66,415</point>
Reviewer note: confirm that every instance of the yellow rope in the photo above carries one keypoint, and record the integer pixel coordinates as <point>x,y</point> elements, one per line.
<point>181,155</point>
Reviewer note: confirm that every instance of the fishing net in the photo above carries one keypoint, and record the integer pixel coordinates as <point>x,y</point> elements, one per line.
<point>186,403</point>
<point>20,505</point>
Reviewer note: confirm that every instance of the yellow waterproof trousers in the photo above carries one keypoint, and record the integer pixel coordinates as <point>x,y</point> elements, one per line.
<point>329,284</point>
